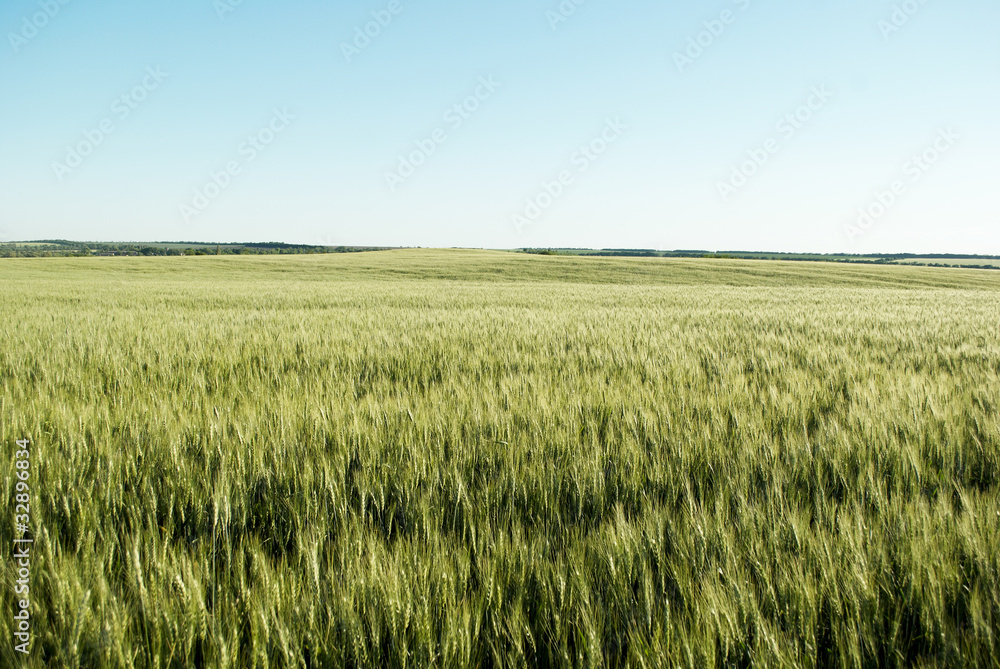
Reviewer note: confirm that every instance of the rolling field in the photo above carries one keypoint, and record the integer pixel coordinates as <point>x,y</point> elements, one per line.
<point>478,459</point>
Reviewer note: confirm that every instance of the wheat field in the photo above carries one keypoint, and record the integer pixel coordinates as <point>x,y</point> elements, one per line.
<point>483,459</point>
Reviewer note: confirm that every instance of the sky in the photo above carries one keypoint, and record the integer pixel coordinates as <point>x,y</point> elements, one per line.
<point>782,125</point>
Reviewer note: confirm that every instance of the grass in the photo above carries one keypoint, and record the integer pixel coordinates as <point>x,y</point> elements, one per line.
<point>460,459</point>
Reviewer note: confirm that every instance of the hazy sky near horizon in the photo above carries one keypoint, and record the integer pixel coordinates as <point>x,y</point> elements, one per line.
<point>856,125</point>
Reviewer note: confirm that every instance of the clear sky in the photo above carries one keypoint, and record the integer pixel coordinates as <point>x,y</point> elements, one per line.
<point>730,124</point>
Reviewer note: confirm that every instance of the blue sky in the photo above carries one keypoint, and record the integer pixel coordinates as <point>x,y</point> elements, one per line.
<point>733,124</point>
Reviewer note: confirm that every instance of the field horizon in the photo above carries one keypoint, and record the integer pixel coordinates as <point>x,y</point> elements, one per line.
<point>41,248</point>
<point>691,267</point>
